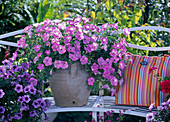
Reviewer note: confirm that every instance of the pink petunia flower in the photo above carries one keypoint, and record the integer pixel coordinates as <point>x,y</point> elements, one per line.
<point>77,19</point>
<point>58,64</point>
<point>113,53</point>
<point>73,57</point>
<point>64,65</point>
<point>126,31</point>
<point>55,41</point>
<point>91,81</point>
<point>100,60</point>
<point>106,86</point>
<point>87,27</point>
<point>61,49</point>
<point>47,61</point>
<point>93,38</point>
<point>35,60</point>
<point>55,47</point>
<point>94,67</point>
<point>104,26</point>
<point>71,49</point>
<point>39,54</point>
<point>67,38</point>
<point>40,66</point>
<point>37,48</point>
<point>115,25</point>
<point>93,46</point>
<point>79,35</point>
<point>121,64</point>
<point>86,39</point>
<point>114,81</point>
<point>106,74</point>
<point>46,36</point>
<point>83,60</point>
<point>104,40</point>
<point>47,52</point>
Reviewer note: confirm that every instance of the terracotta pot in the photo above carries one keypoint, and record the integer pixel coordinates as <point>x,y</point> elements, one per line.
<point>69,87</point>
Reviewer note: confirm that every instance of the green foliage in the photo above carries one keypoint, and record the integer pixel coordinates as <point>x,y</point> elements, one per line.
<point>45,10</point>
<point>15,12</point>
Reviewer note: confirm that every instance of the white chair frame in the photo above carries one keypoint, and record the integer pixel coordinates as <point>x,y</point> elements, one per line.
<point>106,102</point>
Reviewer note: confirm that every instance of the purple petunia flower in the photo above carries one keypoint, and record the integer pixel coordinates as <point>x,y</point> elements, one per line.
<point>43,104</point>
<point>104,26</point>
<point>93,46</point>
<point>20,99</point>
<point>48,104</point>
<point>21,42</point>
<point>33,113</point>
<point>1,93</point>
<point>24,107</point>
<point>18,116</point>
<point>27,88</point>
<point>18,88</point>
<point>26,98</point>
<point>14,67</point>
<point>47,61</point>
<point>2,70</point>
<point>33,81</point>
<point>6,62</point>
<point>19,68</point>
<point>32,90</point>
<point>14,83</point>
<point>2,109</point>
<point>35,104</point>
<point>10,72</point>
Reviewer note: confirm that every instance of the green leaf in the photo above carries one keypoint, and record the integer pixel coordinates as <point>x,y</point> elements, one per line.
<point>49,14</point>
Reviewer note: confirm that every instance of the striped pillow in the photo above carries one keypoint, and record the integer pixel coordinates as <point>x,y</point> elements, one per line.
<point>140,88</point>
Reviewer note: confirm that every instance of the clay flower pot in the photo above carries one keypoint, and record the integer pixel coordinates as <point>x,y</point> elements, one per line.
<point>69,87</point>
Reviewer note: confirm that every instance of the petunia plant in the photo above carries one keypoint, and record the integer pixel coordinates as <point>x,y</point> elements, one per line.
<point>53,45</point>
<point>161,113</point>
<point>20,93</point>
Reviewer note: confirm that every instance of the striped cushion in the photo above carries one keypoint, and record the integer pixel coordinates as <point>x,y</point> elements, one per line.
<point>139,88</point>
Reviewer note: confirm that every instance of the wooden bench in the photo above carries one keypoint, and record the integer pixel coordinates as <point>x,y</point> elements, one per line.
<point>106,103</point>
